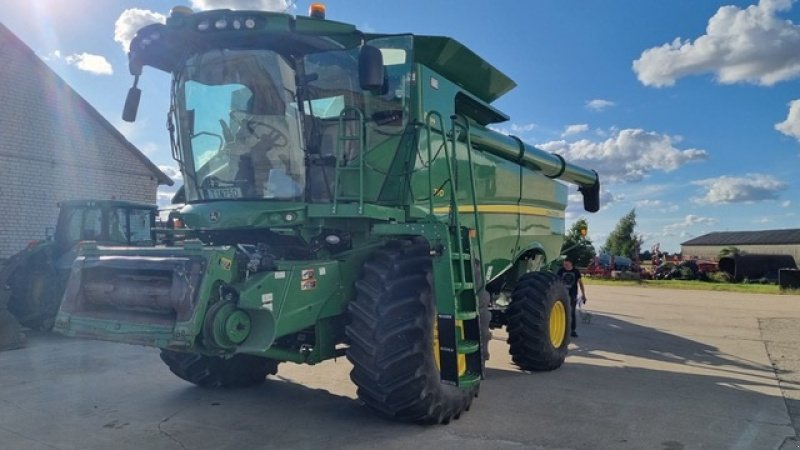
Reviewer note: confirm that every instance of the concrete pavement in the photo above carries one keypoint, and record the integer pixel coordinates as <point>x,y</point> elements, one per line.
<point>656,369</point>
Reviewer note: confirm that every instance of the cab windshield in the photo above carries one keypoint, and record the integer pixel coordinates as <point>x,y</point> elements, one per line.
<point>240,127</point>
<point>254,124</point>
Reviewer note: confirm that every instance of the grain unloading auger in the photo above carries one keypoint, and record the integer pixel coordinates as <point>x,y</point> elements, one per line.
<point>344,197</point>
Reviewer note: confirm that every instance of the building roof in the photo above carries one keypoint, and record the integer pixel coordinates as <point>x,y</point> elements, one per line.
<point>8,38</point>
<point>764,237</point>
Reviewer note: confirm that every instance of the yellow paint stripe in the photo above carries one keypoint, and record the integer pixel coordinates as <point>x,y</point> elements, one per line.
<point>504,209</point>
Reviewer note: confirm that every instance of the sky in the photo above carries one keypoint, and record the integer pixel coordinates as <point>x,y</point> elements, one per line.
<point>689,110</point>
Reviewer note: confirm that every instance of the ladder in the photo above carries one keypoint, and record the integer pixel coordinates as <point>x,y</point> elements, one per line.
<point>343,166</point>
<point>457,302</point>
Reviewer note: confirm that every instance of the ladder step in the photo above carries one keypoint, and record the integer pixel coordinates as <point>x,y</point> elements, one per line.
<point>349,138</point>
<point>466,315</point>
<point>463,286</point>
<point>461,256</point>
<point>468,380</point>
<point>466,347</point>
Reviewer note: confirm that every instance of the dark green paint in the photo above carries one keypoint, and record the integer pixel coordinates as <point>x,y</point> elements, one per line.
<point>414,170</point>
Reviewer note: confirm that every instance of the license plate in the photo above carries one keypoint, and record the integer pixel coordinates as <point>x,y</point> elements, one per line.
<point>223,193</point>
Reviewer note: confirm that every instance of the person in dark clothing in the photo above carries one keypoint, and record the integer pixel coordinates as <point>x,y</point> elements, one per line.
<point>571,277</point>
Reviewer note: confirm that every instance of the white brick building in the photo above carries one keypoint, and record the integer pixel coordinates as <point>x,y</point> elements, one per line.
<point>54,146</point>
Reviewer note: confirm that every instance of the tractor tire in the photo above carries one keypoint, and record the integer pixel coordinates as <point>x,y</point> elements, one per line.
<point>391,338</point>
<point>11,335</point>
<point>538,322</point>
<point>217,372</point>
<point>36,294</point>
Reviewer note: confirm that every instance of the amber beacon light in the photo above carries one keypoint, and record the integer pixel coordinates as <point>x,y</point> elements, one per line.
<point>317,10</point>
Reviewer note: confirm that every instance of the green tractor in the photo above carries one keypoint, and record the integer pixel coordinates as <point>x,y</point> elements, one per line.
<point>35,277</point>
<point>345,196</point>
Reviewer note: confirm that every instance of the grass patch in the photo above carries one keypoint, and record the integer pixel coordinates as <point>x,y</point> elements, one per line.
<point>695,285</point>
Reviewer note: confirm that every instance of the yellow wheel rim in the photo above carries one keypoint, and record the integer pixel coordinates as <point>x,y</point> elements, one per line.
<point>558,323</point>
<point>462,359</point>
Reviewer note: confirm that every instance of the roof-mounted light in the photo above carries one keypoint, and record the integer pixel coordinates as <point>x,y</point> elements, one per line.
<point>250,23</point>
<point>220,24</point>
<point>316,10</point>
<point>203,25</point>
<point>181,11</point>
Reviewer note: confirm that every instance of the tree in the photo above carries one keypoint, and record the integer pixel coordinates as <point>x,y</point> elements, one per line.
<point>729,251</point>
<point>577,245</point>
<point>623,240</point>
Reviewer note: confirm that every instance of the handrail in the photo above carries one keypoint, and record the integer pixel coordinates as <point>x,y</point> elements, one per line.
<point>473,190</point>
<point>340,138</point>
<point>456,218</point>
<point>434,115</point>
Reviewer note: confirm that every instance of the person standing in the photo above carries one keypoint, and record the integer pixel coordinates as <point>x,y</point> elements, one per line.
<point>571,277</point>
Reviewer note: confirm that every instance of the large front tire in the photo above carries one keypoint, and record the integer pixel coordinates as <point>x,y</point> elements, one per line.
<point>215,371</point>
<point>538,322</point>
<point>391,339</point>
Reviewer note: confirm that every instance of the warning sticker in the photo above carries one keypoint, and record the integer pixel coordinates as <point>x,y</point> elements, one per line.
<point>307,280</point>
<point>225,263</point>
<point>280,275</point>
<point>266,301</point>
<point>322,271</point>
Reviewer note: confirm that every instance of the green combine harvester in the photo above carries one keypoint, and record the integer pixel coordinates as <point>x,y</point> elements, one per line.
<point>344,197</point>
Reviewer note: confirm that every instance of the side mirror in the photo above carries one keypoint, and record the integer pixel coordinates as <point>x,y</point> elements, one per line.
<point>371,73</point>
<point>591,196</point>
<point>131,104</point>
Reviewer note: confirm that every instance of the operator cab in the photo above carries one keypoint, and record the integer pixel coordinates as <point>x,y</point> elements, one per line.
<point>265,105</point>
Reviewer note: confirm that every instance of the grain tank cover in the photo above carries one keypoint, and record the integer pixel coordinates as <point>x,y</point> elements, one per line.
<point>461,65</point>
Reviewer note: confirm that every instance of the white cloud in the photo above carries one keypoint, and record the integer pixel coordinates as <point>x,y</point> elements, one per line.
<point>750,188</point>
<point>257,5</point>
<point>627,155</point>
<point>88,62</point>
<point>599,104</point>
<point>55,54</point>
<point>791,126</point>
<point>172,172</point>
<point>786,203</point>
<point>659,205</point>
<point>649,203</point>
<point>164,197</point>
<point>740,45</point>
<point>514,128</point>
<point>688,222</point>
<point>522,128</point>
<point>764,220</point>
<point>670,208</point>
<point>165,193</point>
<point>575,203</point>
<point>130,21</point>
<point>575,129</point>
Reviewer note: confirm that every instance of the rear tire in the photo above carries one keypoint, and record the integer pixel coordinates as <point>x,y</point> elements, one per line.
<point>215,371</point>
<point>36,289</point>
<point>391,338</point>
<point>533,301</point>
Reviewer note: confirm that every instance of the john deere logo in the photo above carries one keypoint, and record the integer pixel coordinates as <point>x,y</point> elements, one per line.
<point>213,216</point>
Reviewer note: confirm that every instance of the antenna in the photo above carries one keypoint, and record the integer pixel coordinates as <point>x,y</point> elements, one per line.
<point>290,4</point>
